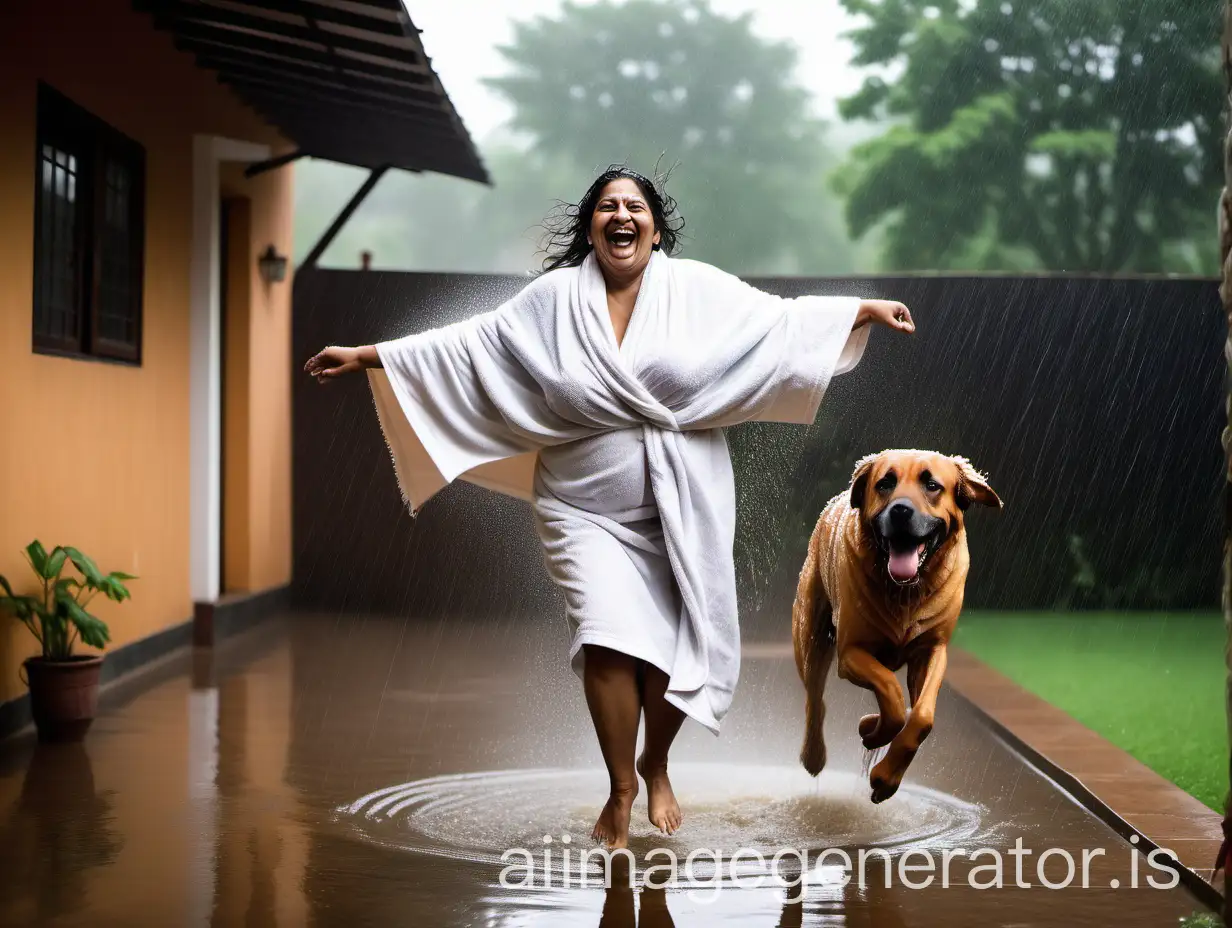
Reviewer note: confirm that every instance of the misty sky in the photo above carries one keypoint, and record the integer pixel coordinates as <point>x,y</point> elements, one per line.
<point>461,37</point>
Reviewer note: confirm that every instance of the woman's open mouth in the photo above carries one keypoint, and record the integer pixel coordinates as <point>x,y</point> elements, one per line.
<point>622,239</point>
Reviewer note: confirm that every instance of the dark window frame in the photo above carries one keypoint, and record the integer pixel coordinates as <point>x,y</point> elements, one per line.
<point>95,145</point>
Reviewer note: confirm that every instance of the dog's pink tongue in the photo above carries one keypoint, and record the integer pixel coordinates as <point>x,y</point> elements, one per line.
<point>904,565</point>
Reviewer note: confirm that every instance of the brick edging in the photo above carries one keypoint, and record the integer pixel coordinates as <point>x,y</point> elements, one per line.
<point>998,701</point>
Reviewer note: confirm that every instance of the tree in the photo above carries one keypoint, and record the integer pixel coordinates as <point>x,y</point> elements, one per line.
<point>649,83</point>
<point>1078,135</point>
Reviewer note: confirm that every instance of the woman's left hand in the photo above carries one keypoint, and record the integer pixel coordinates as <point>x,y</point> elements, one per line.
<point>890,313</point>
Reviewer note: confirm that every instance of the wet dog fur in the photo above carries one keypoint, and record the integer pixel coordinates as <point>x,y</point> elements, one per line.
<point>881,588</point>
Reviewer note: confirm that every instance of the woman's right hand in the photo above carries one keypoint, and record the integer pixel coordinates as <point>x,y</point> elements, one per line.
<point>335,361</point>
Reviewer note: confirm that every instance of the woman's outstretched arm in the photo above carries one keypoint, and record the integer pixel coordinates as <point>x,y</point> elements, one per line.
<point>337,360</point>
<point>889,313</point>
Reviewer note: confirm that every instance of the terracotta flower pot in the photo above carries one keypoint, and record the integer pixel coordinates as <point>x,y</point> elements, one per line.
<point>63,695</point>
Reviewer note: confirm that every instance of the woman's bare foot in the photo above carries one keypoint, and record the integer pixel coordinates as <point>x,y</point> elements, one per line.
<point>612,826</point>
<point>665,812</point>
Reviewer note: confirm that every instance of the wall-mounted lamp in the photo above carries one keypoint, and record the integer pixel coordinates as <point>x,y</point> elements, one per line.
<point>272,265</point>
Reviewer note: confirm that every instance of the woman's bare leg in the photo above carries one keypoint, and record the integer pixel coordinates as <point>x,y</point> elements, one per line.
<point>663,721</point>
<point>610,681</point>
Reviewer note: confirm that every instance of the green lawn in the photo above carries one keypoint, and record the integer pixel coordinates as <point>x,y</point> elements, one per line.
<point>1151,683</point>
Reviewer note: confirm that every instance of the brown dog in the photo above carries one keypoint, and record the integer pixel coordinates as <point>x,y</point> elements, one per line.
<point>883,586</point>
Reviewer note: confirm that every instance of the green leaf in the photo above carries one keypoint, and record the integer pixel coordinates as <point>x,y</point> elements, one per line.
<point>93,630</point>
<point>113,589</point>
<point>38,557</point>
<point>89,570</point>
<point>22,607</point>
<point>54,563</point>
<point>865,102</point>
<point>1091,145</point>
<point>970,128</point>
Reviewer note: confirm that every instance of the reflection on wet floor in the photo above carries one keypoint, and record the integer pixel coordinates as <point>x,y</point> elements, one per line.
<point>732,807</point>
<point>351,770</point>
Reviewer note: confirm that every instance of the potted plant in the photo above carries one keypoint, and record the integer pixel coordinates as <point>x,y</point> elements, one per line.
<point>63,685</point>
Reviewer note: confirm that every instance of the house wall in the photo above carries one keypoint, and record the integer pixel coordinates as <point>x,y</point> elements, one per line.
<point>257,398</point>
<point>97,454</point>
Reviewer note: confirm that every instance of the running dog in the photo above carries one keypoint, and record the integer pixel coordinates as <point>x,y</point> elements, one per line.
<point>882,587</point>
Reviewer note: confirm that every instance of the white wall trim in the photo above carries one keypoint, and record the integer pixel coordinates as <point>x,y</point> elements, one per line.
<point>205,361</point>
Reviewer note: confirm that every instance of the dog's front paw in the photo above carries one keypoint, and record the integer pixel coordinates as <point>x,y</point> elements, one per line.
<point>884,783</point>
<point>876,735</point>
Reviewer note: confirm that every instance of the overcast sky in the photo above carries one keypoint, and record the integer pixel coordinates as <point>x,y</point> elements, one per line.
<point>461,37</point>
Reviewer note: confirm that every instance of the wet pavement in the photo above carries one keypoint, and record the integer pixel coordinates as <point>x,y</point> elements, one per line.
<point>355,770</point>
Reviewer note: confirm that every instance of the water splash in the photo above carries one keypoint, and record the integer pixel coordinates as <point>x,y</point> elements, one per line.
<point>478,816</point>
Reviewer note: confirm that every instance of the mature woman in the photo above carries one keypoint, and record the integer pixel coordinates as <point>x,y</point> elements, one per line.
<point>600,393</point>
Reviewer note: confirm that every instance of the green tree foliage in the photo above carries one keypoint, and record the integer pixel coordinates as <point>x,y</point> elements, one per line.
<point>649,83</point>
<point>1078,135</point>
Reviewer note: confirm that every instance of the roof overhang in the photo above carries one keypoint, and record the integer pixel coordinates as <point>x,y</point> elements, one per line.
<point>345,80</point>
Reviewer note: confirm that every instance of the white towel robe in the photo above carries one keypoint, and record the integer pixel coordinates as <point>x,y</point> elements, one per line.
<point>620,448</point>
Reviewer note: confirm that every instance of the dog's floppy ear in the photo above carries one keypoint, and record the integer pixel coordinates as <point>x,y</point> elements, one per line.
<point>973,487</point>
<point>859,480</point>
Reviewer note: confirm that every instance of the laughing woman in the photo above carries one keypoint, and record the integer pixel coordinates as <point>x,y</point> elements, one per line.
<point>600,393</point>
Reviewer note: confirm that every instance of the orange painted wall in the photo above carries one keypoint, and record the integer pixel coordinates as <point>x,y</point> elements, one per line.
<point>236,422</point>
<point>97,455</point>
<point>269,392</point>
<point>257,455</point>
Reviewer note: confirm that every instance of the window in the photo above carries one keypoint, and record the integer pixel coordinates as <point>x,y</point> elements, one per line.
<point>89,234</point>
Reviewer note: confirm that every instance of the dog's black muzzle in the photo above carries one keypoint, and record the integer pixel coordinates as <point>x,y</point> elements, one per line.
<point>902,527</point>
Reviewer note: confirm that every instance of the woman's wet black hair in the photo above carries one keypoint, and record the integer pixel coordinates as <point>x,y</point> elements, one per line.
<point>568,226</point>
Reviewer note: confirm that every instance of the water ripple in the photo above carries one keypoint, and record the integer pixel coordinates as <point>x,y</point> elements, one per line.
<point>479,816</point>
